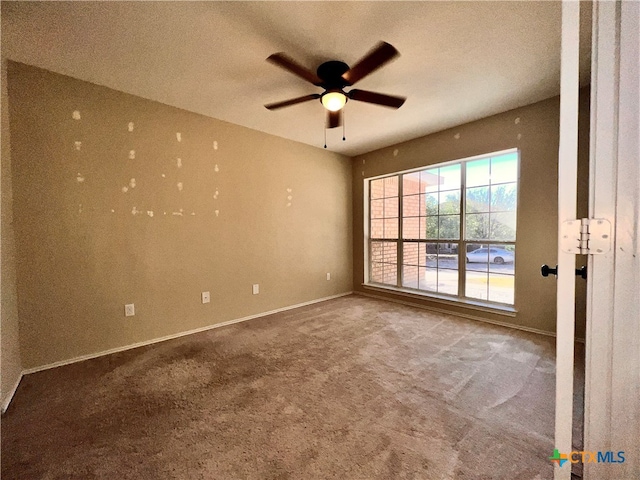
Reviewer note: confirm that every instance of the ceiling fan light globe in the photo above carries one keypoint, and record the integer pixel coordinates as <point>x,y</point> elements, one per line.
<point>334,101</point>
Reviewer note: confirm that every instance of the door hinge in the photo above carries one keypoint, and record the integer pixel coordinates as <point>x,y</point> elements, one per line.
<point>586,236</point>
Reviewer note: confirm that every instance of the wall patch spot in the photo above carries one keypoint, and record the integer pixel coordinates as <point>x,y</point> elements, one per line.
<point>215,145</point>
<point>132,154</point>
<point>289,204</point>
<point>179,163</point>
<point>395,154</point>
<point>130,126</point>
<point>364,161</point>
<point>179,136</point>
<point>179,185</point>
<point>150,213</point>
<point>217,212</point>
<point>80,178</point>
<point>457,136</point>
<point>289,190</point>
<point>289,197</point>
<point>80,208</point>
<point>215,195</point>
<point>132,183</point>
<point>76,115</point>
<point>125,189</point>
<point>517,120</point>
<point>363,173</point>
<point>216,169</point>
<point>177,214</point>
<point>77,145</point>
<point>519,136</point>
<point>164,176</point>
<point>193,214</point>
<point>135,211</point>
<point>113,211</point>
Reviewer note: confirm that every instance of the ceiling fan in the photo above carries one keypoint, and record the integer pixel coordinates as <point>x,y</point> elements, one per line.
<point>333,76</point>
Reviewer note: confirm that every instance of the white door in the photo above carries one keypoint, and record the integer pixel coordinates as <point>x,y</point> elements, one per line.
<point>612,363</point>
<point>567,202</point>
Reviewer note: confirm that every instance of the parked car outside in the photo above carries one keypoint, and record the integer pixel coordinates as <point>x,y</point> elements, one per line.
<point>493,255</point>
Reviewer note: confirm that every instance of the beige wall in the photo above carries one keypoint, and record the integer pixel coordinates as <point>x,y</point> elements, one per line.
<point>11,366</point>
<point>82,254</point>
<point>534,131</point>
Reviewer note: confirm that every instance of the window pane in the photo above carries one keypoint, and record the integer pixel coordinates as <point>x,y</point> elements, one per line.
<point>431,204</point>
<point>478,200</point>
<point>377,228</point>
<point>391,186</point>
<point>411,183</point>
<point>448,281</point>
<point>478,173</point>
<point>411,228</point>
<point>448,256</point>
<point>504,197</point>
<point>477,258</point>
<point>503,259</point>
<point>376,252</point>
<point>410,276</point>
<point>476,285</point>
<point>503,226</point>
<point>377,188</point>
<point>390,274</point>
<point>377,208</point>
<point>450,177</point>
<point>411,206</point>
<point>504,168</point>
<point>428,279</point>
<point>391,207</point>
<point>377,272</point>
<point>449,202</point>
<point>431,260</point>
<point>410,254</point>
<point>449,226</point>
<point>477,226</point>
<point>390,228</point>
<point>390,252</point>
<point>429,180</point>
<point>431,230</point>
<point>501,288</point>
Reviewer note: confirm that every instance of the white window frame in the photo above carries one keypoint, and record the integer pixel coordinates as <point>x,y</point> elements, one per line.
<point>462,243</point>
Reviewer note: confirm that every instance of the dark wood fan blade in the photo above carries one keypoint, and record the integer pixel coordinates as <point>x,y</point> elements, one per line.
<point>286,62</point>
<point>377,98</point>
<point>334,119</point>
<point>293,101</point>
<point>381,54</point>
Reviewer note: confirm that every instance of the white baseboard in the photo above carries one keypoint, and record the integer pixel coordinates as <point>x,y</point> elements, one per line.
<point>6,401</point>
<point>172,336</point>
<point>456,314</point>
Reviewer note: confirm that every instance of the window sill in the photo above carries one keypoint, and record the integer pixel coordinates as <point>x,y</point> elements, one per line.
<point>498,309</point>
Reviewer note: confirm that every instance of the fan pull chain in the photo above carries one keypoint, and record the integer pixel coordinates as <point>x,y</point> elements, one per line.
<point>343,122</point>
<point>325,137</point>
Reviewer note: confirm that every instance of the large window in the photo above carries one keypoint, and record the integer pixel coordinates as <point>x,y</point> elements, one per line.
<point>448,229</point>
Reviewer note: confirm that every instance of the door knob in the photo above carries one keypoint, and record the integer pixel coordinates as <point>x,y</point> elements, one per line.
<point>545,270</point>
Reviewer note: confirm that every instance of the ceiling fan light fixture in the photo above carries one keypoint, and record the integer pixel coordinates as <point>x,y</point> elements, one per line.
<point>334,101</point>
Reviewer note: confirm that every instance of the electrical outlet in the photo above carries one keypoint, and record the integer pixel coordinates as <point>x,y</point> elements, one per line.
<point>328,276</point>
<point>206,297</point>
<point>256,288</point>
<point>129,310</point>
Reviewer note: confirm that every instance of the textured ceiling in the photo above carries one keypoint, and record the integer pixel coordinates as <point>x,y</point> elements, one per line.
<point>460,61</point>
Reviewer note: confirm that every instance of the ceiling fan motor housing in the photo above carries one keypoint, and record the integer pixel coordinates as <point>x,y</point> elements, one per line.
<point>331,75</point>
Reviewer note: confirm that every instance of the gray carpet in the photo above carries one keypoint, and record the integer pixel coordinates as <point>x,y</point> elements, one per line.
<point>352,388</point>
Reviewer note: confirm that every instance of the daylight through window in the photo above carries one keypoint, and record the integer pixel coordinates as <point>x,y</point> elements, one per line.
<point>448,229</point>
